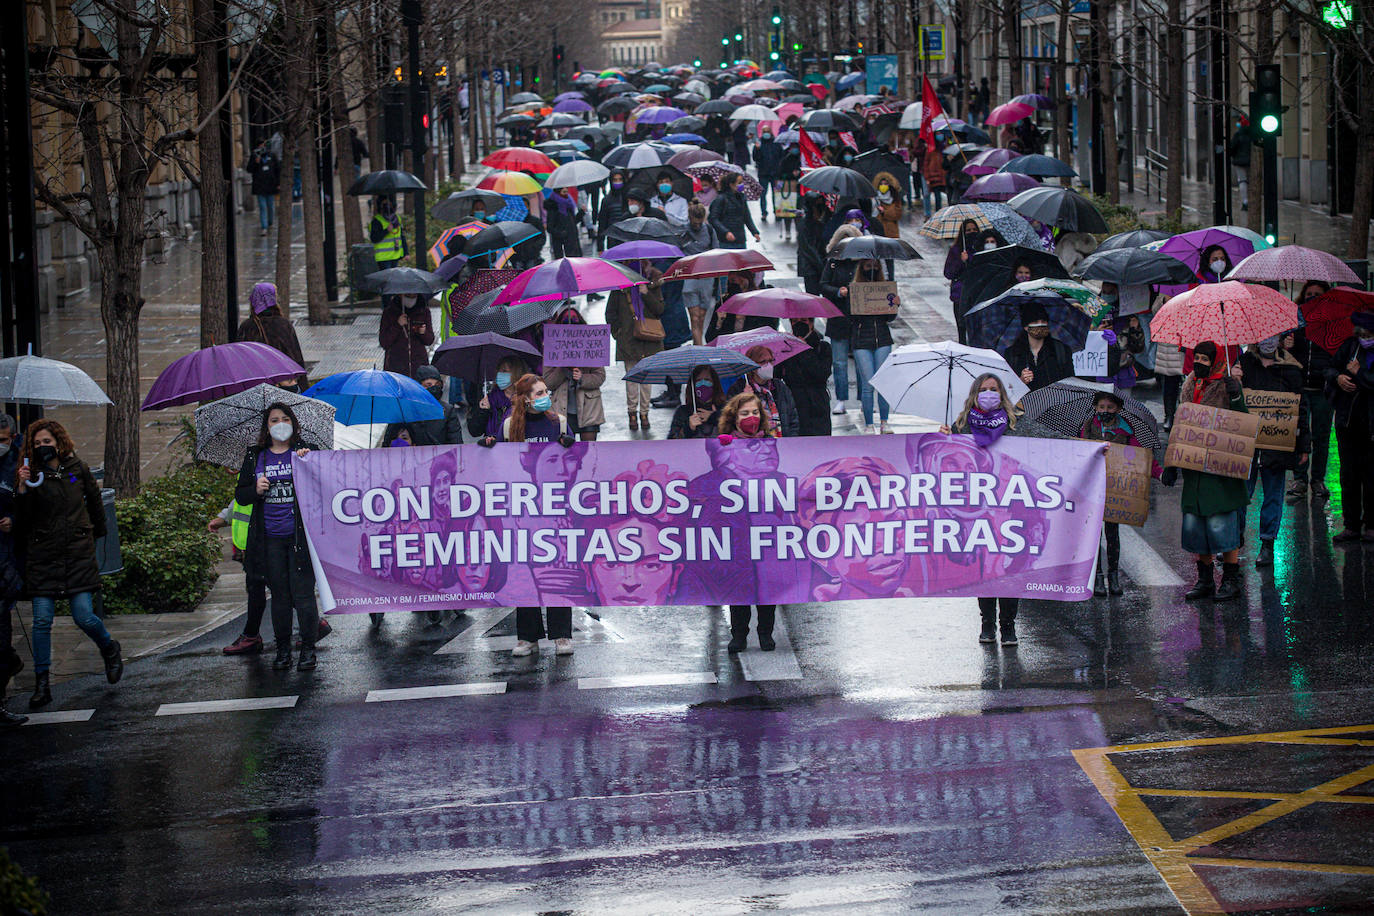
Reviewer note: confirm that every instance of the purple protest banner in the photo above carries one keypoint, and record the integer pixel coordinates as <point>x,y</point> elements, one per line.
<point>691,522</point>
<point>577,346</point>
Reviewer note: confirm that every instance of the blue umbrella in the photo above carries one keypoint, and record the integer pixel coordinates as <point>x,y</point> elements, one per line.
<point>1039,166</point>
<point>685,138</point>
<point>850,79</point>
<point>676,365</point>
<point>370,396</point>
<point>515,210</point>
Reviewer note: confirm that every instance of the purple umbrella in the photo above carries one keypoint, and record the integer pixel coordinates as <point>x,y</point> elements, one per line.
<point>782,345</point>
<point>473,357</point>
<point>1189,246</point>
<point>661,114</point>
<point>777,302</point>
<point>641,250</point>
<point>988,162</point>
<point>1035,100</point>
<point>564,278</point>
<point>571,94</point>
<point>217,372</point>
<point>999,186</point>
<point>451,267</point>
<point>571,106</point>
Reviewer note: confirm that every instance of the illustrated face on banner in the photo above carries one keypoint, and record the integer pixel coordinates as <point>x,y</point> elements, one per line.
<point>553,463</point>
<point>648,581</point>
<point>475,578</point>
<point>744,457</point>
<point>870,572</point>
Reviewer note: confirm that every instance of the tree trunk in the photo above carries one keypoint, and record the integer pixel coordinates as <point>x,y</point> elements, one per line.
<point>312,208</point>
<point>1264,53</point>
<point>1062,146</point>
<point>292,120</point>
<point>1105,55</point>
<point>995,71</point>
<point>214,191</point>
<point>1011,9</point>
<point>1173,113</point>
<point>343,134</point>
<point>1360,209</point>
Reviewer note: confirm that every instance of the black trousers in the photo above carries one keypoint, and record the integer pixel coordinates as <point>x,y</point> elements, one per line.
<point>6,628</point>
<point>257,605</point>
<point>1170,386</point>
<point>739,619</point>
<point>1112,531</point>
<point>1357,470</point>
<point>292,588</point>
<point>529,623</point>
<point>987,607</point>
<point>565,247</point>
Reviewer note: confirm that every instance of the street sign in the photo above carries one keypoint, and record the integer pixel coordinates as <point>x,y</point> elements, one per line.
<point>881,73</point>
<point>932,42</point>
<point>498,77</point>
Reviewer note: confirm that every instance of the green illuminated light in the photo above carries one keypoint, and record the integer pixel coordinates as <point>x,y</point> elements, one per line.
<point>773,56</point>
<point>739,36</point>
<point>725,40</point>
<point>1269,123</point>
<point>1338,14</point>
<point>1270,239</point>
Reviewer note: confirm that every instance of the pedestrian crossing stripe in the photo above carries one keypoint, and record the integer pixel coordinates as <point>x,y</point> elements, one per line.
<point>1172,858</point>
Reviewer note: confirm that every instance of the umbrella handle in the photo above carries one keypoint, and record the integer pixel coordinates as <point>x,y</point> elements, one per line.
<point>949,388</point>
<point>38,482</point>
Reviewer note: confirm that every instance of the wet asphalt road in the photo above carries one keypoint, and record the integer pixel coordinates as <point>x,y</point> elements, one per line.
<point>880,761</point>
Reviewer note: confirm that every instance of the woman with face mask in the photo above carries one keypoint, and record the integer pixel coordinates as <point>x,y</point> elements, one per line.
<point>277,547</point>
<point>58,516</point>
<point>485,419</point>
<point>778,403</point>
<point>1315,361</point>
<point>614,208</point>
<point>805,375</point>
<point>745,417</point>
<point>1268,366</point>
<point>1105,424</point>
<point>960,253</point>
<point>888,205</point>
<point>1350,386</point>
<point>700,416</point>
<point>871,342</point>
<point>730,215</point>
<point>1215,265</point>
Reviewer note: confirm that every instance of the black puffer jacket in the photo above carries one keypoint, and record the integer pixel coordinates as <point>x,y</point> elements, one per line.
<point>730,214</point>
<point>1055,362</point>
<point>1284,374</point>
<point>806,375</point>
<point>811,241</point>
<point>246,494</point>
<point>1315,361</point>
<point>837,276</point>
<point>614,208</point>
<point>58,524</point>
<point>1362,398</point>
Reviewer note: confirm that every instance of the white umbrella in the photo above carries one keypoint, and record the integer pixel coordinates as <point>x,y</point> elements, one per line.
<point>47,383</point>
<point>577,173</point>
<point>754,113</point>
<point>933,380</point>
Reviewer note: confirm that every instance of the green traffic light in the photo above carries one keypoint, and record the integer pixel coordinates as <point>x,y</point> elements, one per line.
<point>796,46</point>
<point>697,62</point>
<point>725,40</point>
<point>1270,239</point>
<point>1269,124</point>
<point>739,36</point>
<point>777,20</point>
<point>773,55</point>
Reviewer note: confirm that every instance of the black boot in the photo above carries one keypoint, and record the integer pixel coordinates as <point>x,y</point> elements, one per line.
<point>767,616</point>
<point>1006,622</point>
<point>1230,582</point>
<point>114,664</point>
<point>988,635</point>
<point>9,718</point>
<point>739,627</point>
<point>1114,582</point>
<point>1100,584</point>
<point>42,692</point>
<point>1206,585</point>
<point>1266,554</point>
<point>10,668</point>
<point>283,660</point>
<point>307,660</point>
<point>376,620</point>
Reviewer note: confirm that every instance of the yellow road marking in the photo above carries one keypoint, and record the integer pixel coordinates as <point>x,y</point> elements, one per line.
<point>1289,866</point>
<point>1233,739</point>
<point>1257,796</point>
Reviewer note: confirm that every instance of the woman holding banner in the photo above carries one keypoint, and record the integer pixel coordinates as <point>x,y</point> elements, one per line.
<point>1106,425</point>
<point>744,417</point>
<point>1213,506</point>
<point>1267,366</point>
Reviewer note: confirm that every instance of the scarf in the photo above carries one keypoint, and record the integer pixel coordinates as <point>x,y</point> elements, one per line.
<point>1200,384</point>
<point>764,390</point>
<point>987,428</point>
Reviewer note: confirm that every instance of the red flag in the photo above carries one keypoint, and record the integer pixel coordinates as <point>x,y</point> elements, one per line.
<point>930,108</point>
<point>810,153</point>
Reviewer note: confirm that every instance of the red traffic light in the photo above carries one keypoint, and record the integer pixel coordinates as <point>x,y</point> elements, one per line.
<point>424,120</point>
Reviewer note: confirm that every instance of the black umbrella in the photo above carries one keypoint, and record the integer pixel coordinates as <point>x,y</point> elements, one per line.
<point>968,133</point>
<point>646,182</point>
<point>991,273</point>
<point>614,106</point>
<point>836,179</point>
<point>473,357</point>
<point>482,317</point>
<point>1038,166</point>
<point>1065,407</point>
<point>405,281</point>
<point>522,97</point>
<point>996,323</point>
<point>505,234</point>
<point>791,85</point>
<point>644,228</point>
<point>1061,207</point>
<point>1135,238</point>
<point>805,99</point>
<point>716,107</point>
<point>388,181</point>
<point>688,125</point>
<point>458,205</point>
<point>1133,267</point>
<point>515,122</point>
<point>875,247</point>
<point>869,164</point>
<point>827,119</point>
<point>561,119</point>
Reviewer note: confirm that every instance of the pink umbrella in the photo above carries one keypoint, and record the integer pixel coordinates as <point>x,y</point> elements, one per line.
<point>989,161</point>
<point>1009,113</point>
<point>563,278</point>
<point>1294,262</point>
<point>717,262</point>
<point>780,303</point>
<point>1227,313</point>
<point>999,186</point>
<point>217,372</point>
<point>782,345</point>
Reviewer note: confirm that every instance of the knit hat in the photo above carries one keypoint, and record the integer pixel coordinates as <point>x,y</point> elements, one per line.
<point>1207,350</point>
<point>425,373</point>
<point>263,297</point>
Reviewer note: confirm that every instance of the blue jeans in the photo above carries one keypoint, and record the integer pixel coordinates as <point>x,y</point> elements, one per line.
<point>267,209</point>
<point>927,193</point>
<point>44,609</point>
<point>867,362</point>
<point>1271,509</point>
<point>839,368</point>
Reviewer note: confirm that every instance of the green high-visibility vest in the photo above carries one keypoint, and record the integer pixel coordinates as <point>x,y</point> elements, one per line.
<point>239,517</point>
<point>391,247</point>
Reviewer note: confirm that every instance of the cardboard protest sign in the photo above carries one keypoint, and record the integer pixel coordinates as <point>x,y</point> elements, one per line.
<point>1212,440</point>
<point>1278,418</point>
<point>1091,361</point>
<point>580,346</point>
<point>878,298</point>
<point>1128,485</point>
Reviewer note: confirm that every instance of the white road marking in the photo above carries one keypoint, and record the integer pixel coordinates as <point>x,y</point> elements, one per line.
<point>186,709</point>
<point>438,690</point>
<point>778,665</point>
<point>663,679</point>
<point>57,718</point>
<point>1143,564</point>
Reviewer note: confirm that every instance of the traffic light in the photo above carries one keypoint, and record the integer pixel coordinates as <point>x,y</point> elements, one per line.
<point>725,42</point>
<point>697,62</point>
<point>399,73</point>
<point>777,16</point>
<point>1266,101</point>
<point>739,36</point>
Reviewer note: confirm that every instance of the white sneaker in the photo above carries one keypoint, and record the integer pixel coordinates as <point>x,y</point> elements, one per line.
<point>866,429</point>
<point>563,646</point>
<point>837,408</point>
<point>522,648</point>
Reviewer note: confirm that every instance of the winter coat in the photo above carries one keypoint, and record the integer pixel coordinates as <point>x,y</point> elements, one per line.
<point>620,315</point>
<point>486,421</point>
<point>405,350</point>
<point>57,525</point>
<point>1284,374</point>
<point>1054,364</point>
<point>933,169</point>
<point>837,276</point>
<point>1073,247</point>
<point>806,375</point>
<point>1315,361</point>
<point>278,333</point>
<point>782,397</point>
<point>1209,494</point>
<point>730,213</point>
<point>447,430</point>
<point>888,212</point>
<point>563,225</point>
<point>768,160</point>
<point>265,171</point>
<point>590,412</point>
<point>1362,398</point>
<point>614,208</point>
<point>9,464</point>
<point>255,554</point>
<point>810,249</point>
<point>955,265</point>
<point>695,241</point>
<point>681,429</point>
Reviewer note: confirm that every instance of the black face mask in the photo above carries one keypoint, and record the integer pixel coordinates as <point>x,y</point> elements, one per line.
<point>45,453</point>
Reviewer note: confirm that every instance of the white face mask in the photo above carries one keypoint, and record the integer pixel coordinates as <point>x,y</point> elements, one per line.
<point>634,208</point>
<point>280,432</point>
<point>765,372</point>
<point>1218,267</point>
<point>4,449</point>
<point>988,246</point>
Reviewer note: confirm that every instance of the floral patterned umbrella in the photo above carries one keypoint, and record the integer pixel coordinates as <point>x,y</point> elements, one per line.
<point>1227,313</point>
<point>748,184</point>
<point>1294,262</point>
<point>783,345</point>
